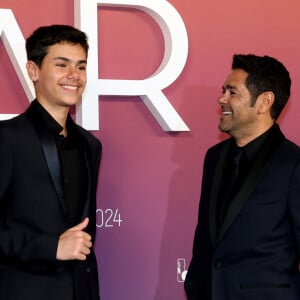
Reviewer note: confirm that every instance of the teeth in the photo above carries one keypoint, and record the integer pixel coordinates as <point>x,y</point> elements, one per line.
<point>227,112</point>
<point>71,87</point>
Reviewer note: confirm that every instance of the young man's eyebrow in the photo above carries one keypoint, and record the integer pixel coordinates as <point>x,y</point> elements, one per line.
<point>65,59</point>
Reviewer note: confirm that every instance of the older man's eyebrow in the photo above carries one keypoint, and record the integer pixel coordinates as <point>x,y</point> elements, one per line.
<point>229,87</point>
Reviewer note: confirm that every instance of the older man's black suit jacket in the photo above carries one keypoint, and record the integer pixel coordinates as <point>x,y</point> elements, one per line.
<point>256,254</point>
<point>32,214</point>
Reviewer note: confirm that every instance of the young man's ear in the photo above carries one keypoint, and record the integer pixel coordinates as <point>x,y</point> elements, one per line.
<point>32,70</point>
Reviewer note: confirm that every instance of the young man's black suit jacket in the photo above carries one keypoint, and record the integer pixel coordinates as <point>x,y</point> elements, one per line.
<point>32,214</point>
<point>256,254</point>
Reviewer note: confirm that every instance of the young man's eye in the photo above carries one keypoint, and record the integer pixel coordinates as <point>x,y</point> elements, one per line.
<point>61,65</point>
<point>82,68</point>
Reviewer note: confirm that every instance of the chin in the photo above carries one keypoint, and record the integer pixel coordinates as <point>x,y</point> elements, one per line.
<point>224,129</point>
<point>71,102</point>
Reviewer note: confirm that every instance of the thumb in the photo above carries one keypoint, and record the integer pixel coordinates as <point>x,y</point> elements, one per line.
<point>81,225</point>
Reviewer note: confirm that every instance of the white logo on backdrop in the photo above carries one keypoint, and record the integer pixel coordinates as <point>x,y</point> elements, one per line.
<point>181,270</point>
<point>149,89</point>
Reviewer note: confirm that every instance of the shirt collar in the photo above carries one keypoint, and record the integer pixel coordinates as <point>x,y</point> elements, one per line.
<point>51,123</point>
<point>253,147</point>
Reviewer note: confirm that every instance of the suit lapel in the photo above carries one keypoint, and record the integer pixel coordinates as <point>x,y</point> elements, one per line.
<point>248,186</point>
<point>216,185</point>
<point>50,151</point>
<point>244,192</point>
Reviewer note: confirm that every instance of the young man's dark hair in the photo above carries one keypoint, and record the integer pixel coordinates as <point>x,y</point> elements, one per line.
<point>265,74</point>
<point>37,44</point>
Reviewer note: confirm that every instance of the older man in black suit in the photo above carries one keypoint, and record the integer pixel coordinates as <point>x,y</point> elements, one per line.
<point>247,241</point>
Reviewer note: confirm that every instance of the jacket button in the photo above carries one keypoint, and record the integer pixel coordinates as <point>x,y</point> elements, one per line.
<point>218,264</point>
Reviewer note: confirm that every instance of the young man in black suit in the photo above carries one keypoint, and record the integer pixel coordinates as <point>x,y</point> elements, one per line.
<point>48,178</point>
<point>247,241</point>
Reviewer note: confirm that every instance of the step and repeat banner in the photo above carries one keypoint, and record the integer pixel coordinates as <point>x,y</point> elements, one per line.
<point>155,70</point>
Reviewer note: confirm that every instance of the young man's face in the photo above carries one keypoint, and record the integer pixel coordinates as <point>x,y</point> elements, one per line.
<point>238,116</point>
<point>61,79</point>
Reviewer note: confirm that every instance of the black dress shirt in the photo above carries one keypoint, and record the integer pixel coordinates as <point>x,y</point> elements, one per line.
<point>71,155</point>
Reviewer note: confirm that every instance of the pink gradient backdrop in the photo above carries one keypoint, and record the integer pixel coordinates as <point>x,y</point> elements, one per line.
<point>154,177</point>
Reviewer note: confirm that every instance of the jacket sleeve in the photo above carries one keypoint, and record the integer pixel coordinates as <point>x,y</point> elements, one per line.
<point>197,283</point>
<point>294,205</point>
